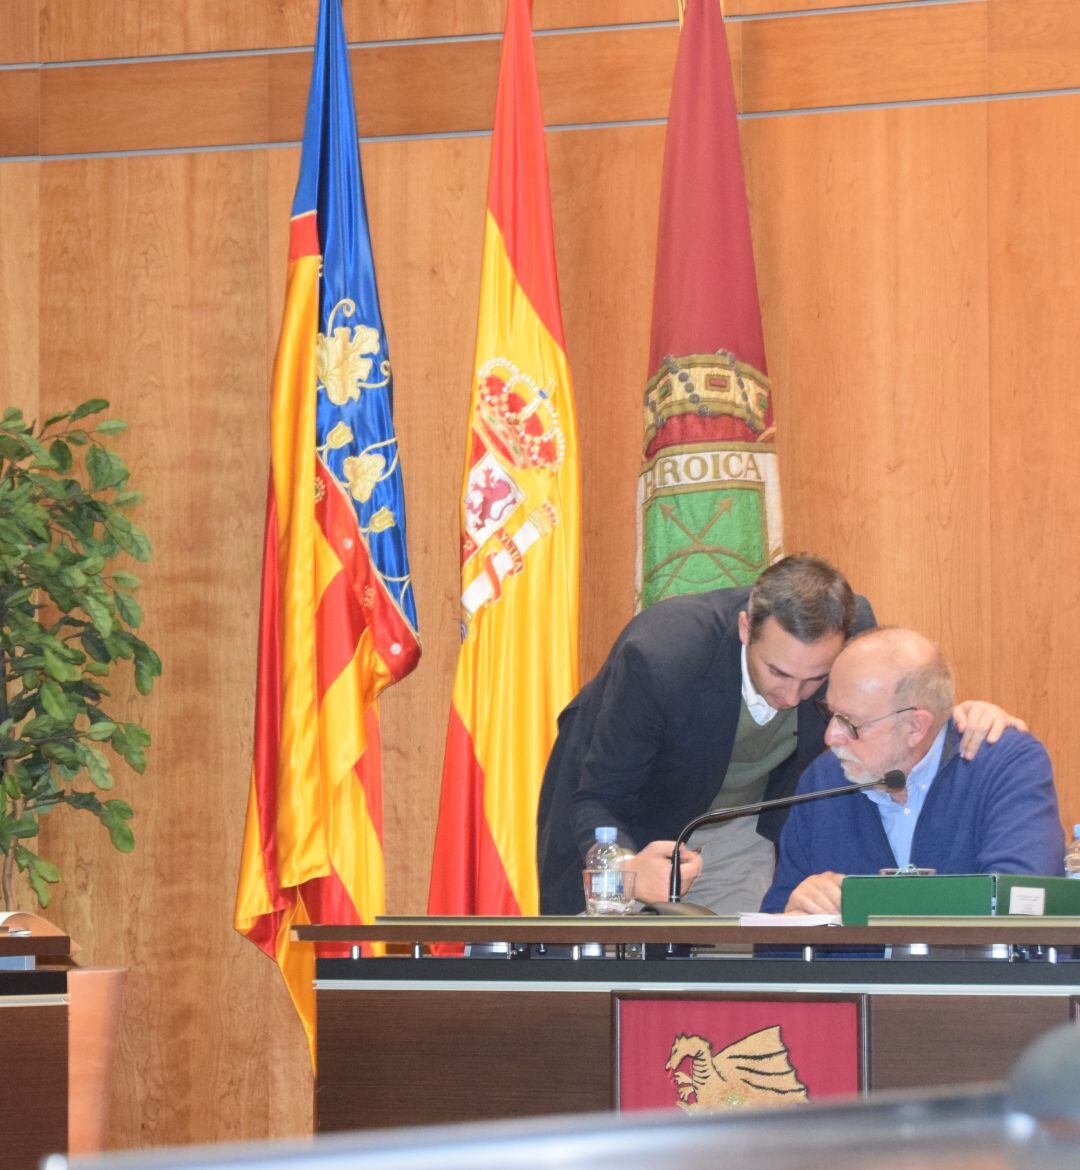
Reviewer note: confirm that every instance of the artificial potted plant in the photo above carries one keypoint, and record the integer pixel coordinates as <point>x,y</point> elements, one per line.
<point>68,615</point>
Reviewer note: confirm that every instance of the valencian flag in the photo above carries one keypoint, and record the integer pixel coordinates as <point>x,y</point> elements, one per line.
<point>518,664</point>
<point>709,491</point>
<point>338,621</point>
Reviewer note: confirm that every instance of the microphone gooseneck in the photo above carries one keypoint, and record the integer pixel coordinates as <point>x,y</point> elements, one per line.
<point>893,780</point>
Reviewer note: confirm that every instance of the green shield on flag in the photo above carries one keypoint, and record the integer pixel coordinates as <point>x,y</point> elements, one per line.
<point>698,538</point>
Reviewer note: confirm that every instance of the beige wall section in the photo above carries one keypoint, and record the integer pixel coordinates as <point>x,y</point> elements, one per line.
<point>1034,503</point>
<point>19,266</point>
<point>874,291</point>
<point>917,269</point>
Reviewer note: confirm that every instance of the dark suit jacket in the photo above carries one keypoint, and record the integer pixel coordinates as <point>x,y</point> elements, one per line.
<point>646,744</point>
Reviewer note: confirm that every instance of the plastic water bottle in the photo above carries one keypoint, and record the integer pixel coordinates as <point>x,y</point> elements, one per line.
<point>609,887</point>
<point>1072,855</point>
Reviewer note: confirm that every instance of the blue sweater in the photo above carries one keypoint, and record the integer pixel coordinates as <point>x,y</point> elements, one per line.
<point>997,813</point>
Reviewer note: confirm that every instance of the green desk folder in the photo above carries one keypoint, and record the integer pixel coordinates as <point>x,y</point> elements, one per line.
<point>962,894</point>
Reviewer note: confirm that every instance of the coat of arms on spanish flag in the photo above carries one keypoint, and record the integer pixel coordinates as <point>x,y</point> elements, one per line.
<point>518,664</point>
<point>709,489</point>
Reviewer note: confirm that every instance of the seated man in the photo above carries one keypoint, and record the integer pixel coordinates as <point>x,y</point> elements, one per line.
<point>888,703</point>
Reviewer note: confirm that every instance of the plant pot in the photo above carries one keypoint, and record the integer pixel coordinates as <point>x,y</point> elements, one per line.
<point>94,998</point>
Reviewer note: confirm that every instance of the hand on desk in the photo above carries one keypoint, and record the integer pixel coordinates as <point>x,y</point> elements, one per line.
<point>817,894</point>
<point>653,868</point>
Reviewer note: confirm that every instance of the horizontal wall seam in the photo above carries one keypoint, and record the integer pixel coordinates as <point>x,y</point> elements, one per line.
<point>463,38</point>
<point>1023,95</point>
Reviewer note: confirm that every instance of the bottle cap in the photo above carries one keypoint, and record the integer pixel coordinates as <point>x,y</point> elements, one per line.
<point>607,834</point>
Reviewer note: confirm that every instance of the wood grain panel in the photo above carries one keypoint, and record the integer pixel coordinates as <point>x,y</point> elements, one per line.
<point>72,30</point>
<point>583,78</point>
<point>19,308</point>
<point>916,1043</point>
<point>294,23</point>
<point>155,271</point>
<point>33,1106</point>
<point>199,102</point>
<point>20,39</point>
<point>426,205</point>
<point>1035,45</point>
<point>875,56</point>
<point>606,189</point>
<point>472,1056</point>
<point>1034,507</point>
<point>870,234</point>
<point>773,7</point>
<point>19,96</point>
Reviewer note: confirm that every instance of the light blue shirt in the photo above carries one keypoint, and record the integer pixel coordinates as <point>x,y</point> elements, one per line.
<point>899,820</point>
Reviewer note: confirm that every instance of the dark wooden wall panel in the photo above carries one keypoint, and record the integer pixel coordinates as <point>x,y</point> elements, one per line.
<point>468,1056</point>
<point>33,1107</point>
<point>975,1039</point>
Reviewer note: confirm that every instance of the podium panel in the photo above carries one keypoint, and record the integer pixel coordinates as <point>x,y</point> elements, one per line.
<point>535,1029</point>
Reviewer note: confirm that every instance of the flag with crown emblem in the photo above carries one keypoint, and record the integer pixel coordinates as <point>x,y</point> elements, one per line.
<point>338,620</point>
<point>518,663</point>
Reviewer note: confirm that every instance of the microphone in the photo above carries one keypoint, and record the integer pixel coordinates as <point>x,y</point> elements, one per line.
<point>893,780</point>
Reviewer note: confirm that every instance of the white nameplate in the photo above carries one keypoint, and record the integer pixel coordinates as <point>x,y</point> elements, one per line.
<point>1027,900</point>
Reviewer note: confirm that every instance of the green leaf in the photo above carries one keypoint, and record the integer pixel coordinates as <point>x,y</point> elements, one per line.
<point>39,871</point>
<point>59,668</point>
<point>102,729</point>
<point>94,645</point>
<point>99,614</point>
<point>61,455</point>
<point>136,759</point>
<point>90,406</point>
<point>98,768</point>
<point>128,499</point>
<point>42,456</point>
<point>137,734</point>
<point>112,426</point>
<point>126,579</point>
<point>56,702</point>
<point>106,469</point>
<point>114,816</point>
<point>62,753</point>
<point>128,608</point>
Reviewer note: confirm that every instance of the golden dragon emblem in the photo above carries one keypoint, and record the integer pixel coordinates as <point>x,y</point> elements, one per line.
<point>753,1073</point>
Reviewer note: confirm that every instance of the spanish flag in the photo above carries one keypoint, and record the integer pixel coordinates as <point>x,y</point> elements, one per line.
<point>338,620</point>
<point>709,489</point>
<point>518,665</point>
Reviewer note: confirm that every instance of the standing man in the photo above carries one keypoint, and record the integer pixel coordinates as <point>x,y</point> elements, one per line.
<point>889,700</point>
<point>705,701</point>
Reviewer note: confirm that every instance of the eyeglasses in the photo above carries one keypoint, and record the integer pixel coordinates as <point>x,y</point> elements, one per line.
<point>846,726</point>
